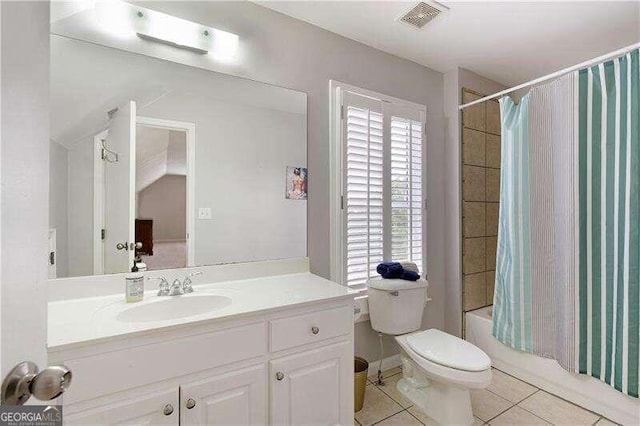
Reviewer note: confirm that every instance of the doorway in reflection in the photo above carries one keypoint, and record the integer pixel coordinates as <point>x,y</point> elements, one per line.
<point>161,197</point>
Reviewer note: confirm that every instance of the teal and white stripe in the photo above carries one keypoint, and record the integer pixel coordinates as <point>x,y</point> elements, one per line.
<point>512,297</point>
<point>568,262</point>
<point>608,302</point>
<point>531,312</point>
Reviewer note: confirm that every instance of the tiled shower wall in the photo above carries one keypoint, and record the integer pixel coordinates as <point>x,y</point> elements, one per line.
<point>480,199</point>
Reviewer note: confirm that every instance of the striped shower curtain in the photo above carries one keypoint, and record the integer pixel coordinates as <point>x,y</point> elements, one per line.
<point>568,261</point>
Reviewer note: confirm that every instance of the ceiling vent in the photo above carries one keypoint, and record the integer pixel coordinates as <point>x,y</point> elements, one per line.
<point>422,13</point>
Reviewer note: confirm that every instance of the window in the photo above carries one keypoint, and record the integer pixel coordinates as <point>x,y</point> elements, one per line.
<point>406,190</point>
<point>363,200</point>
<point>379,173</point>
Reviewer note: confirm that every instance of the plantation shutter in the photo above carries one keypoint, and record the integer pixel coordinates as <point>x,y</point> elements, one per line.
<point>406,186</point>
<point>382,199</point>
<point>363,193</point>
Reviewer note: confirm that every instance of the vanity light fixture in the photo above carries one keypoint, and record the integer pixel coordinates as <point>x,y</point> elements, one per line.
<point>152,25</point>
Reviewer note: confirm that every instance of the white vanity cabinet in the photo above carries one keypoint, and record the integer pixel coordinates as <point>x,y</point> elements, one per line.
<point>313,387</point>
<point>159,408</point>
<point>286,366</point>
<point>236,398</point>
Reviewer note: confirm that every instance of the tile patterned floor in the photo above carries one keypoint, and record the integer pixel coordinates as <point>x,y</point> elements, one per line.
<point>507,401</point>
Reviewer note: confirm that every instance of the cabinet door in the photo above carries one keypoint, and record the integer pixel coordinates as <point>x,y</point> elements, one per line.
<point>159,408</point>
<point>313,387</point>
<point>235,398</point>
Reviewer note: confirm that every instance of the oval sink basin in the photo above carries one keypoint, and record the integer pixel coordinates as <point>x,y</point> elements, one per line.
<point>174,307</point>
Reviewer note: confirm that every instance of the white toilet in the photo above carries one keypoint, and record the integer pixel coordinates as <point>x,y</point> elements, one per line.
<point>438,369</point>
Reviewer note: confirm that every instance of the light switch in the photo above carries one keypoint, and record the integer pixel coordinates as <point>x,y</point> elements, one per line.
<point>204,213</point>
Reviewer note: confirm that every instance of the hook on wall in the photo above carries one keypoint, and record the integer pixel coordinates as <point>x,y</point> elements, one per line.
<point>112,112</point>
<point>108,155</point>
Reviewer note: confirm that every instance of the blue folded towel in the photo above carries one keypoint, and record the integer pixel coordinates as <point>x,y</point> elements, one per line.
<point>394,270</point>
<point>390,270</point>
<point>410,275</point>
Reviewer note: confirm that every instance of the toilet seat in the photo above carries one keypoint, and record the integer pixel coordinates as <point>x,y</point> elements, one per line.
<point>431,381</point>
<point>449,351</point>
<point>445,374</point>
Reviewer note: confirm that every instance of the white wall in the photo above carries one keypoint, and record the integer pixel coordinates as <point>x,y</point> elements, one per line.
<point>165,201</point>
<point>24,174</point>
<point>177,153</point>
<point>80,210</point>
<point>454,81</point>
<point>277,49</point>
<point>152,144</point>
<point>159,152</point>
<point>58,200</point>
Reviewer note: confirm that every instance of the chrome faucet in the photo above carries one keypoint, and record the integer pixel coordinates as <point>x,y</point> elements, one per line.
<point>163,288</point>
<point>176,288</point>
<point>187,284</point>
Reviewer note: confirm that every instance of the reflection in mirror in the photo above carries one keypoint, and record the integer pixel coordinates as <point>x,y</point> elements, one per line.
<point>167,166</point>
<point>161,175</point>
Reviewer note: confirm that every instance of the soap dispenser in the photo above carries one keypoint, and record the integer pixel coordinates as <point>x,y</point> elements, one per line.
<point>134,285</point>
<point>139,264</point>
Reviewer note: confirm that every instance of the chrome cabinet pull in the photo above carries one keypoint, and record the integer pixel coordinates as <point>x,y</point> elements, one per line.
<point>190,403</point>
<point>279,376</point>
<point>168,410</point>
<point>315,330</point>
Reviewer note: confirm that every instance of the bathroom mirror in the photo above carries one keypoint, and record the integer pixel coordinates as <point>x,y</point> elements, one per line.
<point>174,165</point>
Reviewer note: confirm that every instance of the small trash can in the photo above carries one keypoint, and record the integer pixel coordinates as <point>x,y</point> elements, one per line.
<point>360,381</point>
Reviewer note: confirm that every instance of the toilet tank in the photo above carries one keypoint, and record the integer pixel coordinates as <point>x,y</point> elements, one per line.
<point>396,306</point>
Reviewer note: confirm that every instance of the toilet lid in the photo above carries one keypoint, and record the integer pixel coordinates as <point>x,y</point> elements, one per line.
<point>449,351</point>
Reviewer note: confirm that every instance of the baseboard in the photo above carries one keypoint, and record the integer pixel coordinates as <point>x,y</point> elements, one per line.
<point>387,363</point>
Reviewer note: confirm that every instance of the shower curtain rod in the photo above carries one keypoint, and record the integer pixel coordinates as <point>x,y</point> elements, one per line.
<point>554,74</point>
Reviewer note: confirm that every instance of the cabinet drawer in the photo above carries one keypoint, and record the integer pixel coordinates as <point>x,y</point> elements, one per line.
<point>307,328</point>
<point>117,371</point>
<point>157,409</point>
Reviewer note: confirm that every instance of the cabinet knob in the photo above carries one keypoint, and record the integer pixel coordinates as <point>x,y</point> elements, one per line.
<point>279,376</point>
<point>190,403</point>
<point>315,330</point>
<point>168,410</point>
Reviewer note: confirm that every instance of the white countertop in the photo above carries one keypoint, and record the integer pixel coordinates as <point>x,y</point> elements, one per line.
<point>87,319</point>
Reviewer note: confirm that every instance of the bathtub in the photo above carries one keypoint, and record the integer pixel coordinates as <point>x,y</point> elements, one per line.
<point>549,376</point>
